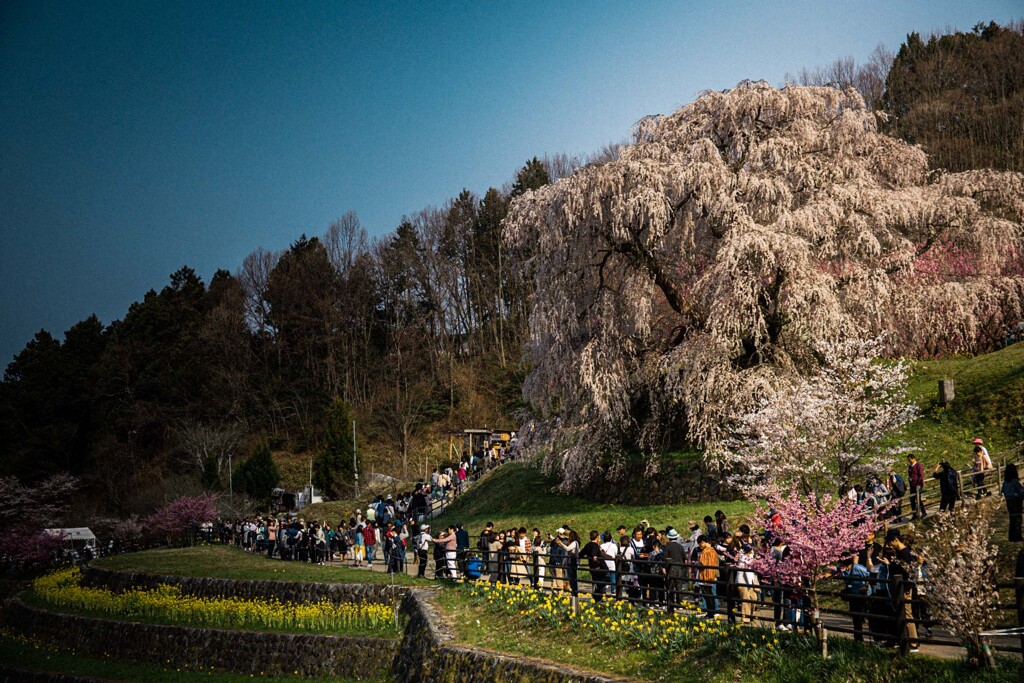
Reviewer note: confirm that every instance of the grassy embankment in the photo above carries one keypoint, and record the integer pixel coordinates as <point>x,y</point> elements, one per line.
<point>518,495</point>
<point>989,404</point>
<point>223,562</point>
<point>740,657</point>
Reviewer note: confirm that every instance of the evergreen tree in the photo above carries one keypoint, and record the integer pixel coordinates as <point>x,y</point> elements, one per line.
<point>258,475</point>
<point>530,177</point>
<point>961,97</point>
<point>332,469</point>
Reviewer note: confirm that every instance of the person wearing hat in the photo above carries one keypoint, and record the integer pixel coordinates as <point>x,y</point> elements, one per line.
<point>982,464</point>
<point>422,548</point>
<point>675,568</point>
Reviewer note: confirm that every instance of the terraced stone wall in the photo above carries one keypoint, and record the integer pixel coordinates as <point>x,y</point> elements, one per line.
<point>429,655</point>
<point>246,652</point>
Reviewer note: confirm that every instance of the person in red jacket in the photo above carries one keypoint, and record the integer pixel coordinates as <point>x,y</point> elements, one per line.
<point>370,540</point>
<point>915,479</point>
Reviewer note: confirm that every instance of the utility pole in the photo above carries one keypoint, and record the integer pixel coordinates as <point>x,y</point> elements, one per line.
<point>355,465</point>
<point>230,491</point>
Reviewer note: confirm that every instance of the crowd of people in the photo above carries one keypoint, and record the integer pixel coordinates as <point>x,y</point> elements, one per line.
<point>380,532</point>
<point>887,495</point>
<point>707,565</point>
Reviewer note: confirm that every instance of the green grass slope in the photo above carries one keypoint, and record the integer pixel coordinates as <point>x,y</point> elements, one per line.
<point>225,562</point>
<point>520,495</point>
<point>989,404</point>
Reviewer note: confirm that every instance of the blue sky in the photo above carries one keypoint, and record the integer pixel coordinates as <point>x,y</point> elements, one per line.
<point>139,137</point>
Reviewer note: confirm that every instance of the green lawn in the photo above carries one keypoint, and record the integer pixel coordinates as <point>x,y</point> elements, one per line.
<point>224,562</point>
<point>797,659</point>
<point>519,495</point>
<point>26,653</point>
<point>989,404</point>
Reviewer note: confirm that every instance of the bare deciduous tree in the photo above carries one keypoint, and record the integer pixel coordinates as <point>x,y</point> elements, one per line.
<point>208,445</point>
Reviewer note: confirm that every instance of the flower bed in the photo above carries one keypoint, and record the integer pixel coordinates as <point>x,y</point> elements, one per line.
<point>620,623</point>
<point>167,604</point>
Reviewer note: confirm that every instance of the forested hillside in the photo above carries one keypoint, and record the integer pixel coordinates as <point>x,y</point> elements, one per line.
<point>416,331</point>
<point>424,329</point>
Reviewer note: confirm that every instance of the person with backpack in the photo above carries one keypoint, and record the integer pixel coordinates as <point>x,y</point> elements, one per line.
<point>396,556</point>
<point>359,550</point>
<point>556,559</point>
<point>897,489</point>
<point>949,485</point>
<point>856,590</point>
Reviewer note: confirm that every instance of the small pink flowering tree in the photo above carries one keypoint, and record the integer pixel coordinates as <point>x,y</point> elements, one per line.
<point>174,521</point>
<point>25,511</point>
<point>819,532</point>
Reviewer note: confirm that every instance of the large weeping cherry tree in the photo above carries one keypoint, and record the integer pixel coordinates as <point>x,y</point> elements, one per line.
<point>677,286</point>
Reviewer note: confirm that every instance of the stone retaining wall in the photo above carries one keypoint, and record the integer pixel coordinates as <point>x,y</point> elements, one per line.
<point>245,652</point>
<point>429,655</point>
<point>11,675</point>
<point>285,591</point>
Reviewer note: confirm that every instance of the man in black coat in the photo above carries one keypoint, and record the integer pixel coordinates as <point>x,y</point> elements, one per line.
<point>675,568</point>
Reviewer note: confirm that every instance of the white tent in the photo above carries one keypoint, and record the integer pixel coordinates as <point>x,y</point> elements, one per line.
<point>78,537</point>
